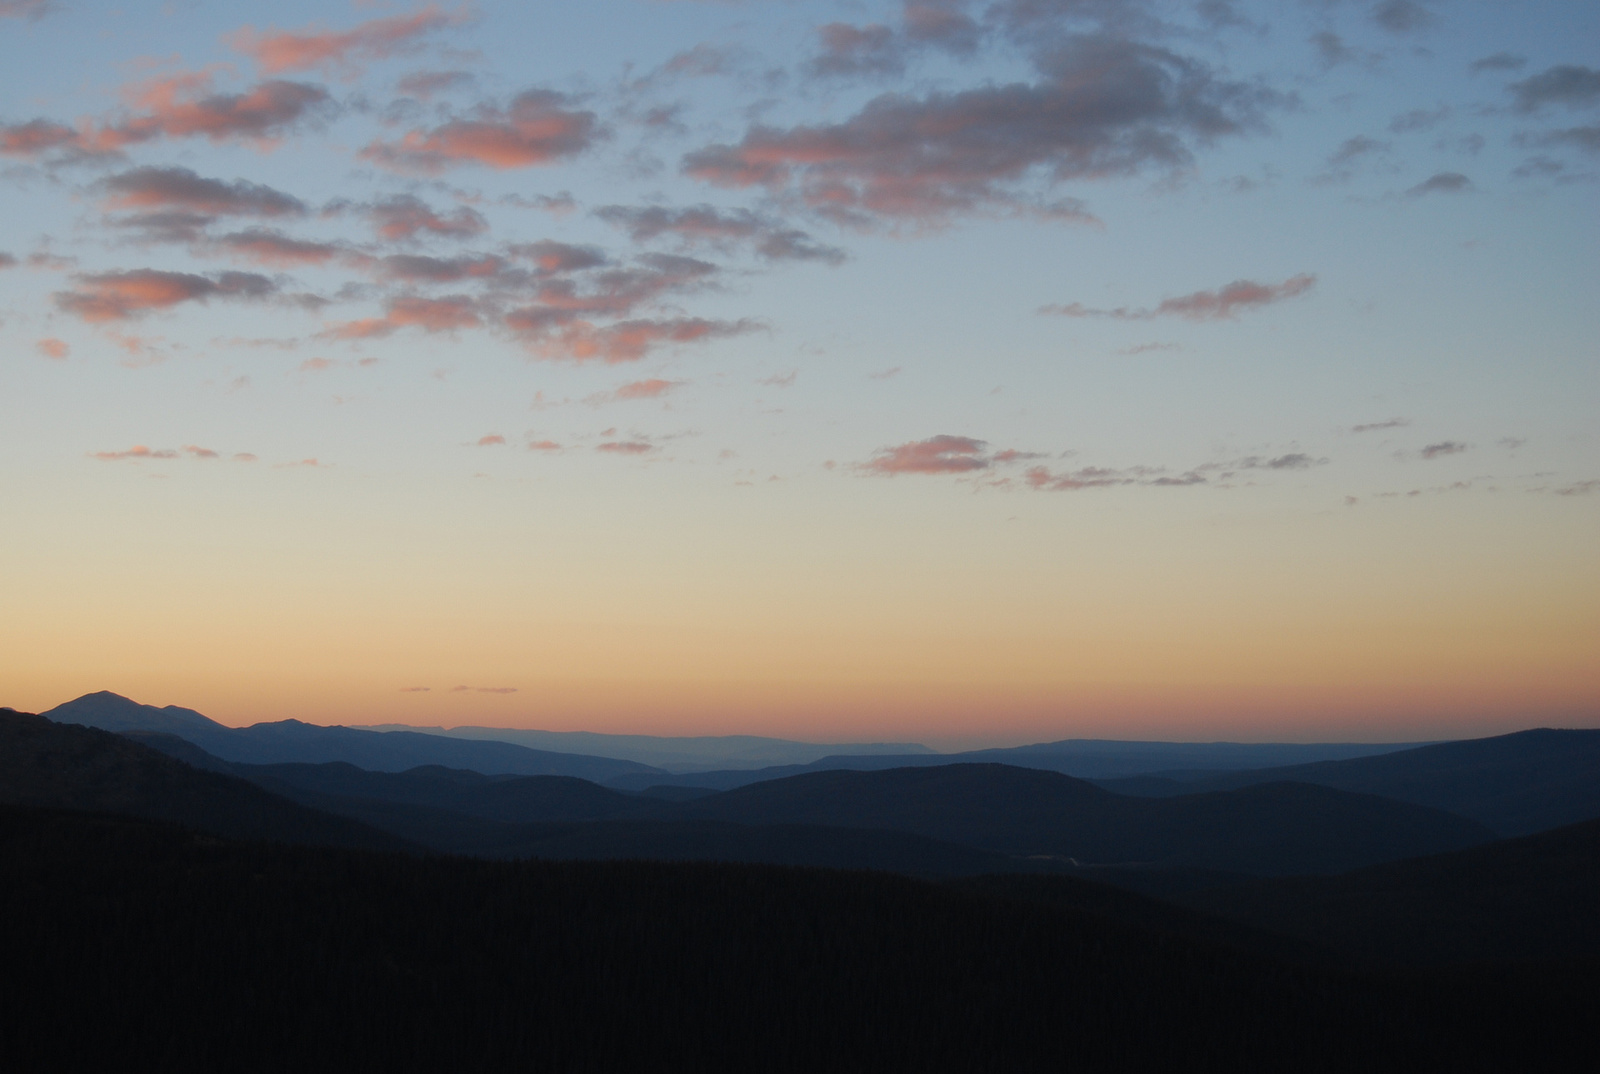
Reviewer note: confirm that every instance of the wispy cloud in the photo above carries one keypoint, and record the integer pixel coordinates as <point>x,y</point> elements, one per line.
<point>1219,305</point>
<point>936,455</point>
<point>625,447</point>
<point>447,314</point>
<point>277,51</point>
<point>118,296</point>
<point>1378,426</point>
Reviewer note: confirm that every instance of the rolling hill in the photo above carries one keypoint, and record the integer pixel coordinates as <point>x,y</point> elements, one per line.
<point>47,764</point>
<point>1516,784</point>
<point>1270,829</point>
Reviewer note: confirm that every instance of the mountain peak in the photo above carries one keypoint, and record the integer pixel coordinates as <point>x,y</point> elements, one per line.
<point>113,712</point>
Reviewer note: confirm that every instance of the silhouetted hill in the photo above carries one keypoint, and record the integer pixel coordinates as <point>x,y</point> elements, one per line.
<point>461,812</point>
<point>1081,758</point>
<point>63,766</point>
<point>291,741</point>
<point>1516,784</point>
<point>770,844</point>
<point>1270,829</point>
<point>672,753</point>
<point>514,799</point>
<point>1537,897</point>
<point>126,941</point>
<point>1028,819</point>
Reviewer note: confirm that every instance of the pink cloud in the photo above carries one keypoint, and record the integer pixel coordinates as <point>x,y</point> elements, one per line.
<point>54,349</point>
<point>137,452</point>
<point>117,296</point>
<point>1221,304</point>
<point>491,440</point>
<point>625,447</point>
<point>645,389</point>
<point>277,250</point>
<point>429,314</point>
<point>414,268</point>
<point>558,257</point>
<point>148,188</point>
<point>183,106</point>
<point>195,451</point>
<point>427,84</point>
<point>629,341</point>
<point>538,128</point>
<point>405,216</point>
<point>1103,107</point>
<point>376,39</point>
<point>317,365</point>
<point>935,455</point>
<point>543,445</point>
<point>37,137</point>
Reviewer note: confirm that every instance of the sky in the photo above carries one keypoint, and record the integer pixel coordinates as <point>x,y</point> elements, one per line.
<point>972,373</point>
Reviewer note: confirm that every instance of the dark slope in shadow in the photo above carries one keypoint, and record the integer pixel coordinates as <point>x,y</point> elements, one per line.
<point>1273,829</point>
<point>43,763</point>
<point>123,938</point>
<point>1533,898</point>
<point>1517,784</point>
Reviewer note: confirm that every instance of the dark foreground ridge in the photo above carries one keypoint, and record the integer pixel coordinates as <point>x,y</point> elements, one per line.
<point>125,939</point>
<point>1532,898</point>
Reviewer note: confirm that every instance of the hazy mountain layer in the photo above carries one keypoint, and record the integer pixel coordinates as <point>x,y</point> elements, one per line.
<point>291,741</point>
<point>1276,829</point>
<point>1516,784</point>
<point>676,754</point>
<point>1083,758</point>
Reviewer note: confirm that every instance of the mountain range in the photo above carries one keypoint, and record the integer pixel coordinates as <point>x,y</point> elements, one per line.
<point>1017,818</point>
<point>379,751</point>
<point>1517,784</point>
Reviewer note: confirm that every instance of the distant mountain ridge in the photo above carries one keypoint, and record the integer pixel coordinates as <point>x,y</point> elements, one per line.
<point>1517,784</point>
<point>1267,829</point>
<point>1080,758</point>
<point>937,818</point>
<point>675,754</point>
<point>289,741</point>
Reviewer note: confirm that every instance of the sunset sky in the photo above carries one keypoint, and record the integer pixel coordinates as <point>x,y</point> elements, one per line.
<point>968,373</point>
